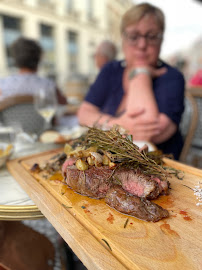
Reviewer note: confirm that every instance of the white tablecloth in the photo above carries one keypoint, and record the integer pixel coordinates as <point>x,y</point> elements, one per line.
<point>10,191</point>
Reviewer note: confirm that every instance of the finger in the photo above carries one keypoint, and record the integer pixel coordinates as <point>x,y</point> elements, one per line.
<point>135,113</point>
<point>142,136</point>
<point>148,127</point>
<point>146,132</point>
<point>145,121</point>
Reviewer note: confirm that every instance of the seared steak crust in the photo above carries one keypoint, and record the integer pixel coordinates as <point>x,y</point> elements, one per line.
<point>141,208</point>
<point>94,182</point>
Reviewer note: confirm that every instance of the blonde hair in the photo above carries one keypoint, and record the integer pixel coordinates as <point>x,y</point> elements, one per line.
<point>137,12</point>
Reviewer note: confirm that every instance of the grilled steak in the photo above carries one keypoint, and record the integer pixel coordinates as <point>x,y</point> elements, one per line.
<point>121,189</point>
<point>137,183</point>
<point>141,208</point>
<point>94,182</point>
<point>97,178</point>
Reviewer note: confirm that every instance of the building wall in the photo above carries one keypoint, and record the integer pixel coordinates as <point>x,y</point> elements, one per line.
<point>103,23</point>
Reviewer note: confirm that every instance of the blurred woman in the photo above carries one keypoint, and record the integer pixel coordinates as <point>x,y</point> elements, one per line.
<point>27,54</point>
<point>141,93</point>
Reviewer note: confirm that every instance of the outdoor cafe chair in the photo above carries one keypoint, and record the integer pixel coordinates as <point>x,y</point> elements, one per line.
<point>19,111</point>
<point>191,127</point>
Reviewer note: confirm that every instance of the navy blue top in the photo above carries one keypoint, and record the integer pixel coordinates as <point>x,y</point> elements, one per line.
<point>107,92</point>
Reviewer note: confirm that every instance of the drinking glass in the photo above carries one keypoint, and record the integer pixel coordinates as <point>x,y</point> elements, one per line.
<point>45,102</point>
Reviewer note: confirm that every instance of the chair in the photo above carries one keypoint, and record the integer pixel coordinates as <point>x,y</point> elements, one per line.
<point>19,111</point>
<point>192,125</point>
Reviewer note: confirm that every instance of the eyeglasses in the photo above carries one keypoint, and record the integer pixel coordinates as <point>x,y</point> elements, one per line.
<point>151,39</point>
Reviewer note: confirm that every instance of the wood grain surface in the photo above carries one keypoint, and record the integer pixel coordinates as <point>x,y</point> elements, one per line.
<point>99,235</point>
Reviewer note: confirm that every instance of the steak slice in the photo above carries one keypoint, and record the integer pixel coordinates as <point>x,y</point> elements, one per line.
<point>133,181</point>
<point>163,185</point>
<point>141,208</point>
<point>137,183</point>
<point>94,182</point>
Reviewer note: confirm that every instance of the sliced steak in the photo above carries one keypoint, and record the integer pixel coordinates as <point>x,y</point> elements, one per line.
<point>94,182</point>
<point>141,208</point>
<point>133,181</point>
<point>163,185</point>
<point>137,183</point>
<point>101,182</point>
<point>68,162</point>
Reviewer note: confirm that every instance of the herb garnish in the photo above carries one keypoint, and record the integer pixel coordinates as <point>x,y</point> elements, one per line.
<point>177,173</point>
<point>121,149</point>
<point>107,244</point>
<point>126,223</point>
<point>188,187</point>
<point>66,206</point>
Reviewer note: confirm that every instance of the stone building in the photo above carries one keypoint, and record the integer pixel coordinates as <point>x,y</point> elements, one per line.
<point>68,30</point>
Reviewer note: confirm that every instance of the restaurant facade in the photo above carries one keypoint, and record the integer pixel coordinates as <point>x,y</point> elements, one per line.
<point>68,31</point>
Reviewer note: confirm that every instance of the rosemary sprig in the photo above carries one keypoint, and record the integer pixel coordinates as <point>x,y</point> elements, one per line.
<point>188,187</point>
<point>107,244</point>
<point>126,223</point>
<point>122,150</point>
<point>66,206</point>
<point>177,173</point>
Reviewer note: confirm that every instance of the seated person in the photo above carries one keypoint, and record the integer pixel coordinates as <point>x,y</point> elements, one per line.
<point>142,93</point>
<point>27,55</point>
<point>105,52</point>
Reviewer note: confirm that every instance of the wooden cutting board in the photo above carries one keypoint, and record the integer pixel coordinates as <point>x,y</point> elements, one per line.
<point>99,235</point>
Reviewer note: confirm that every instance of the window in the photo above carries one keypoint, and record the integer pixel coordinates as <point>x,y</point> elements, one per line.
<point>90,9</point>
<point>72,48</point>
<point>12,30</point>
<point>70,5</point>
<point>91,58</point>
<point>48,44</point>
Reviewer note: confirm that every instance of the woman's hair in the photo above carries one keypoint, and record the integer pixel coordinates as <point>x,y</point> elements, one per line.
<point>26,53</point>
<point>137,12</point>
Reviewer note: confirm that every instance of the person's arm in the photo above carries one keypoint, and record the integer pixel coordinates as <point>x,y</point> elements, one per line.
<point>141,95</point>
<point>89,115</point>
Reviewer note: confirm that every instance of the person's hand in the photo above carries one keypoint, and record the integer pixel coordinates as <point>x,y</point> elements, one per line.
<point>144,130</point>
<point>141,130</point>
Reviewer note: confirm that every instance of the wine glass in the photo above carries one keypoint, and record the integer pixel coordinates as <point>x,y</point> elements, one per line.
<point>45,102</point>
